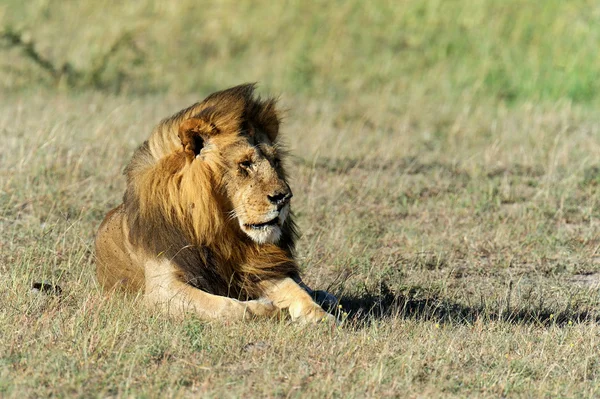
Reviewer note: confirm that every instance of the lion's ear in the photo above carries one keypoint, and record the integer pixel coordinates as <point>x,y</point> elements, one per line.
<point>193,133</point>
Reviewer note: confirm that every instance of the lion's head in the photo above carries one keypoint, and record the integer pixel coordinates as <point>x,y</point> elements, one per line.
<point>211,175</point>
<point>238,134</point>
<point>209,192</point>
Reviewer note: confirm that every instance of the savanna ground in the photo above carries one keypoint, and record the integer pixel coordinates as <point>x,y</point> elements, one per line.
<point>446,170</point>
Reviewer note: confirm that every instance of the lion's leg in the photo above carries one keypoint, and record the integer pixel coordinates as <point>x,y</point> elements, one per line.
<point>287,294</point>
<point>115,266</point>
<point>165,290</point>
<point>325,299</point>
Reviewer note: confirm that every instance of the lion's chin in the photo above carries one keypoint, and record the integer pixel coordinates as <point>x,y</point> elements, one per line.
<point>268,231</point>
<point>267,234</point>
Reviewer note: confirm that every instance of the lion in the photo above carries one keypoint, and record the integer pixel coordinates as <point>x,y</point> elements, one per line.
<point>205,225</point>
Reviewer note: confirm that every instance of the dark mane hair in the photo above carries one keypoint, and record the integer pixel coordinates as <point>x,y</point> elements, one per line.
<point>179,211</point>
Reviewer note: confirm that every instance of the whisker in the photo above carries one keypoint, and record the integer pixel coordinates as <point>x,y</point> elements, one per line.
<point>235,213</point>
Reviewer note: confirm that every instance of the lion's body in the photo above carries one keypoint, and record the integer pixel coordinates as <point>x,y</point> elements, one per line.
<point>115,265</point>
<point>205,223</point>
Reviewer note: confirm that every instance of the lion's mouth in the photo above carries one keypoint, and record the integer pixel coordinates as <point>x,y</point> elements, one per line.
<point>260,226</point>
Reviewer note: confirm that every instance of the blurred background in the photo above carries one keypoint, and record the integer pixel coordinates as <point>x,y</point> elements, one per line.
<point>498,50</point>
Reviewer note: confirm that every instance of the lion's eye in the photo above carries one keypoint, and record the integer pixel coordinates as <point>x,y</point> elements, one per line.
<point>276,162</point>
<point>246,164</point>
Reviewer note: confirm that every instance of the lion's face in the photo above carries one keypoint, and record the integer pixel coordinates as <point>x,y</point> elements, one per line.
<point>239,137</point>
<point>256,186</point>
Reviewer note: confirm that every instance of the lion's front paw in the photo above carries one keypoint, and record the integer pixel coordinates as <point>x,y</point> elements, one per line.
<point>311,313</point>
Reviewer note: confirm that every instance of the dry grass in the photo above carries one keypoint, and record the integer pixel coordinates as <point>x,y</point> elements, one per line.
<point>446,182</point>
<point>471,234</point>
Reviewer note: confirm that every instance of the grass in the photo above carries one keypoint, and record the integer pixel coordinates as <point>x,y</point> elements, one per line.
<point>445,163</point>
<point>507,50</point>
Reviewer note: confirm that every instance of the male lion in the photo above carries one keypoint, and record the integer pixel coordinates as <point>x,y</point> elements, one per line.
<point>205,223</point>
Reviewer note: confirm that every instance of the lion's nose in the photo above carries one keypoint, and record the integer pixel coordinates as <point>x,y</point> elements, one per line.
<point>280,199</point>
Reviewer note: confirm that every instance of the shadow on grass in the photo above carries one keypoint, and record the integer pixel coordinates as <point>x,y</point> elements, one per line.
<point>363,309</point>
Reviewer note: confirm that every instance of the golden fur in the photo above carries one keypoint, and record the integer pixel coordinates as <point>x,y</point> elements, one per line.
<point>205,223</point>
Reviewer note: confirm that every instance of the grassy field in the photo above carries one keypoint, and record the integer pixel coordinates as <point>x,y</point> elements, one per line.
<point>446,171</point>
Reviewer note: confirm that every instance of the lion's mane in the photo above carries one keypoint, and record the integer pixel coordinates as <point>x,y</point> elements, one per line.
<point>179,212</point>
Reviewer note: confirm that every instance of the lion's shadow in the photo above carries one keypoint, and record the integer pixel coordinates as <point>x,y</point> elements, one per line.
<point>360,310</point>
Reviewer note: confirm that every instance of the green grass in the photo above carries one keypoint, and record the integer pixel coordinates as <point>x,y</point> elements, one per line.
<point>505,50</point>
<point>445,167</point>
